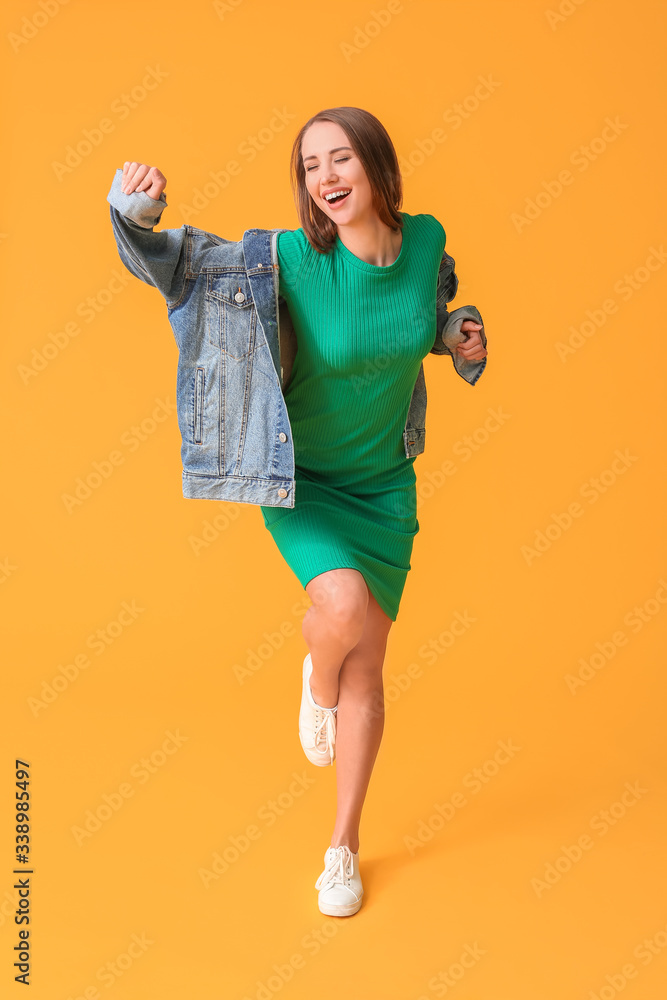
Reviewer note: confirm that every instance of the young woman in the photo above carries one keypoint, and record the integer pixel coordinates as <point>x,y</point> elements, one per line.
<point>359,281</point>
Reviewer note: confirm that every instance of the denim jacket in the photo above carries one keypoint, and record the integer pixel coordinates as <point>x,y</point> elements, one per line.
<point>236,345</point>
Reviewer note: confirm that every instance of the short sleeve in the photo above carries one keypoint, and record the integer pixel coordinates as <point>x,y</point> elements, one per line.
<point>291,248</point>
<point>440,230</point>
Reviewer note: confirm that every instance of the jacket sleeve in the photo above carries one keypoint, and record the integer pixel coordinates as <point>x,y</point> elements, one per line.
<point>449,333</point>
<point>159,259</point>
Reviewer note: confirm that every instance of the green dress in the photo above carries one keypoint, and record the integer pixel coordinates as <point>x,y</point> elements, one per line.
<point>362,332</point>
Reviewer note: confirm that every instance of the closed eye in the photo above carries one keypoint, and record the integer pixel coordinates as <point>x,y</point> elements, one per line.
<point>341,159</point>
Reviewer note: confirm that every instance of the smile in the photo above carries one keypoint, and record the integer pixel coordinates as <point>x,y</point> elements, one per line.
<point>337,197</point>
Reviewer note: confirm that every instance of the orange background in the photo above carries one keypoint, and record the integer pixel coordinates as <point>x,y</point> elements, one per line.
<point>501,878</point>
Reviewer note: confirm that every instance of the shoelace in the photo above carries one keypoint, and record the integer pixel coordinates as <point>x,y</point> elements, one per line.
<point>326,730</point>
<point>337,869</point>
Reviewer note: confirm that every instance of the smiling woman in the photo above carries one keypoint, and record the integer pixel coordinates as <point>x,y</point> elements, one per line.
<point>347,149</point>
<point>359,279</point>
<point>365,286</point>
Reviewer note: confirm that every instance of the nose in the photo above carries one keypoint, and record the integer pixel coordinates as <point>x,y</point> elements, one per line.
<point>329,177</point>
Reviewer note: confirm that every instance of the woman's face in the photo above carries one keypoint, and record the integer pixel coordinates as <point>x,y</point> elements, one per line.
<point>331,164</point>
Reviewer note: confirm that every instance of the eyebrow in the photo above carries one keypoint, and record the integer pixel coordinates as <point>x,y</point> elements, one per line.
<point>336,150</point>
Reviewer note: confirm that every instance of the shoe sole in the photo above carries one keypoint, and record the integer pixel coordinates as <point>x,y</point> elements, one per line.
<point>342,909</point>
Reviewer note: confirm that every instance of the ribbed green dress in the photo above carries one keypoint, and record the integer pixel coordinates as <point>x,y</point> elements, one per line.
<point>362,332</point>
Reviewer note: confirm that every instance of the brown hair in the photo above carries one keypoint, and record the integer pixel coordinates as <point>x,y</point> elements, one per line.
<point>370,141</point>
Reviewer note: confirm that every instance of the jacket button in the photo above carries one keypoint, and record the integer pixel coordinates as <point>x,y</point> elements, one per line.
<point>282,493</point>
<point>239,297</point>
<point>282,436</point>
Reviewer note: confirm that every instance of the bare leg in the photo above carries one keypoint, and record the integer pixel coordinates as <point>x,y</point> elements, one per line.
<point>360,724</point>
<point>349,663</point>
<point>332,626</point>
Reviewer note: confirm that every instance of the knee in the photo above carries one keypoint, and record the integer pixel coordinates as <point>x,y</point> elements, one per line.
<point>344,606</point>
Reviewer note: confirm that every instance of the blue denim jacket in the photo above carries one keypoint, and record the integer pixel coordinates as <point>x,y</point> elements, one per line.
<point>236,345</point>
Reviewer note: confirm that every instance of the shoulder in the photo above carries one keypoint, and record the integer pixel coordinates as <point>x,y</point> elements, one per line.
<point>291,237</point>
<point>426,225</point>
<point>293,241</point>
<point>292,246</point>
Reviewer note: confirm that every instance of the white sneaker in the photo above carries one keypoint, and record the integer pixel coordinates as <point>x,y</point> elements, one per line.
<point>317,726</point>
<point>340,883</point>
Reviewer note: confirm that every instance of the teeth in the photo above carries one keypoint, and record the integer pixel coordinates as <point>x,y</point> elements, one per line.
<point>336,193</point>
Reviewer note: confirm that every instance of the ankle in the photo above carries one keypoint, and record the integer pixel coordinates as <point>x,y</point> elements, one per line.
<point>321,701</point>
<point>347,841</point>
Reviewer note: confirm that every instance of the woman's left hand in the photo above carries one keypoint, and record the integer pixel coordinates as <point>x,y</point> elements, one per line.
<point>472,348</point>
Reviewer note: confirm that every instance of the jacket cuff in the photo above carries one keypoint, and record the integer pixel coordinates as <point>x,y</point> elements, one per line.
<point>137,206</point>
<point>452,335</point>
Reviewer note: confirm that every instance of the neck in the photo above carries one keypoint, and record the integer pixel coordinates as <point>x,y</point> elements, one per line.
<point>372,241</point>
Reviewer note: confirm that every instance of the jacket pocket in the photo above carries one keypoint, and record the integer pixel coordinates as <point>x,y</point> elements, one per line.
<point>231,316</point>
<point>198,406</point>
